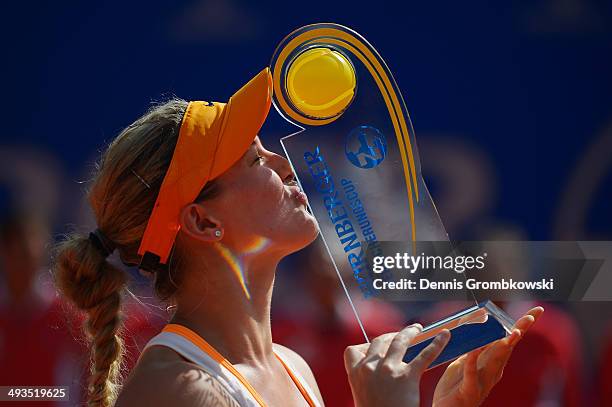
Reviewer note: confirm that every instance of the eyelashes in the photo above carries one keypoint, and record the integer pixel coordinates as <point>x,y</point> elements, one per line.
<point>257,159</point>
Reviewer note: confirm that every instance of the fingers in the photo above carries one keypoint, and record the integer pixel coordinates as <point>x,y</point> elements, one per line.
<point>470,383</point>
<point>399,344</point>
<point>502,349</point>
<point>354,354</point>
<point>509,341</point>
<point>431,352</point>
<point>536,312</point>
<point>498,354</point>
<point>522,325</point>
<point>527,320</point>
<point>378,347</point>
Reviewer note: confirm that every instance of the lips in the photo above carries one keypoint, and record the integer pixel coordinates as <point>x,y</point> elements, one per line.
<point>301,197</point>
<point>297,194</point>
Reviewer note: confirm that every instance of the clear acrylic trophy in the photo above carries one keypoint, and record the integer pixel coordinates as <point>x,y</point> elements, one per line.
<point>355,157</point>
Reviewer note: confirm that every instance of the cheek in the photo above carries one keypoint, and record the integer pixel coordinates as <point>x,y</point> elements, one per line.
<point>258,205</point>
<point>257,200</point>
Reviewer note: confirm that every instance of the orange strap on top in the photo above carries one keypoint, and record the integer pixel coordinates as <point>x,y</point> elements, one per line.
<point>212,352</point>
<point>297,382</point>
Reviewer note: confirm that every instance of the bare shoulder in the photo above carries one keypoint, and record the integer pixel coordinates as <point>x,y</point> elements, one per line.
<point>163,378</point>
<point>302,367</point>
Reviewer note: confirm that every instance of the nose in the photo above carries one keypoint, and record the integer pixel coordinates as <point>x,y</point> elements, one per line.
<point>282,167</point>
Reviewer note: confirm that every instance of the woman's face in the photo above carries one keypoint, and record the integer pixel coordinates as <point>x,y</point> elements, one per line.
<point>260,206</point>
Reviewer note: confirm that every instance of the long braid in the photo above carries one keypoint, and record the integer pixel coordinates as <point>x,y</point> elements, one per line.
<point>96,287</point>
<point>122,196</point>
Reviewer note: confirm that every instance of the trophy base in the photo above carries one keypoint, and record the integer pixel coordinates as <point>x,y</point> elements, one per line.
<point>470,329</point>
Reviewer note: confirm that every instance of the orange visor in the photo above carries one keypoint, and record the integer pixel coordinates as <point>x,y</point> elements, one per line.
<point>213,136</point>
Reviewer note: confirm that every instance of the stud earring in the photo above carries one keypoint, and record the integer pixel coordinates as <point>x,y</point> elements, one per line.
<point>218,233</point>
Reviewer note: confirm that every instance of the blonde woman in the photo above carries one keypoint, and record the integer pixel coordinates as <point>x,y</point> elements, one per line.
<point>189,193</point>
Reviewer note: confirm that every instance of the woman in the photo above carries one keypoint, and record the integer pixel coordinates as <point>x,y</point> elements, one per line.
<point>189,193</point>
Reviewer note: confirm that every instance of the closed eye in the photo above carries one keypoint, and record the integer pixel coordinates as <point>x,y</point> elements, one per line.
<point>259,158</point>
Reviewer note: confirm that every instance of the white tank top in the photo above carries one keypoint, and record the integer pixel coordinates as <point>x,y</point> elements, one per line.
<point>194,348</point>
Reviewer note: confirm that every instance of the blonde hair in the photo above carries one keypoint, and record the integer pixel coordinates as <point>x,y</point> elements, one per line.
<point>122,195</point>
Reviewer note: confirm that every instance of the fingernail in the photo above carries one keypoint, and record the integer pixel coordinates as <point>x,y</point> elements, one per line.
<point>443,335</point>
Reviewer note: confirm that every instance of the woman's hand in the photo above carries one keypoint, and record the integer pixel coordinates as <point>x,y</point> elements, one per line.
<point>469,379</point>
<point>380,378</point>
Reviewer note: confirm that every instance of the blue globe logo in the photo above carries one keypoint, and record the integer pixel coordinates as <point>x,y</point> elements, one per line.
<point>365,147</point>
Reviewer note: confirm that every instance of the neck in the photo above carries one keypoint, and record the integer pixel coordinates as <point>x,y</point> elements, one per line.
<point>232,316</point>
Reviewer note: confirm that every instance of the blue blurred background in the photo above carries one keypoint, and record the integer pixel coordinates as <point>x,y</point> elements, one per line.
<point>527,85</point>
<point>511,104</point>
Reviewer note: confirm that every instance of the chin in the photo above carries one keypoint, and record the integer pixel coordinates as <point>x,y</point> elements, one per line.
<point>305,233</point>
<point>313,230</point>
<point>309,231</point>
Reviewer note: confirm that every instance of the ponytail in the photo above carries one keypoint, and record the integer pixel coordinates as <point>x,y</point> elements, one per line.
<point>95,286</point>
<point>122,195</point>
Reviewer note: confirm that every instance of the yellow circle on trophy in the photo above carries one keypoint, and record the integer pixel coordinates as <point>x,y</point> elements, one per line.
<point>321,83</point>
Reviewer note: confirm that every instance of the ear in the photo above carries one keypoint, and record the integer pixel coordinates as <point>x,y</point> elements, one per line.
<point>197,223</point>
